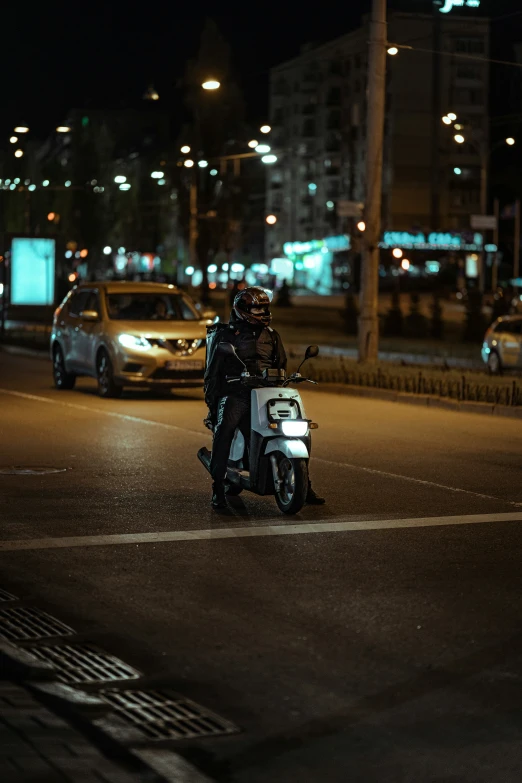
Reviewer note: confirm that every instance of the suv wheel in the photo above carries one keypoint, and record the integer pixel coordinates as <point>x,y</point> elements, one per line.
<point>107,386</point>
<point>494,363</point>
<point>62,379</point>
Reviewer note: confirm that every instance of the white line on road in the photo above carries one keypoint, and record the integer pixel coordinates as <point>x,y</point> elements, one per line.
<point>174,427</point>
<point>321,526</point>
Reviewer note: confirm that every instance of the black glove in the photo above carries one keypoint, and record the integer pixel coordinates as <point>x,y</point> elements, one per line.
<point>209,421</point>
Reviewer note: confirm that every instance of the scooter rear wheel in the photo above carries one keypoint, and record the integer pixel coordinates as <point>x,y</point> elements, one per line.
<point>293,477</point>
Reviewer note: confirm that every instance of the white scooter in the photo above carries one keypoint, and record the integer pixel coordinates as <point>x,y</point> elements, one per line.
<point>275,461</point>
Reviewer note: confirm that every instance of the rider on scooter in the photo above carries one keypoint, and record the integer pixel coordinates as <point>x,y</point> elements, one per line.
<point>259,347</point>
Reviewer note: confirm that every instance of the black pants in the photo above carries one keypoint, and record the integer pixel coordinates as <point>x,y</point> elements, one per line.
<point>233,412</point>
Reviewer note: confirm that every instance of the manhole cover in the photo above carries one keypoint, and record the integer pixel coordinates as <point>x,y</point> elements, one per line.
<point>163,715</point>
<point>22,624</point>
<point>84,663</point>
<point>29,470</point>
<point>5,596</point>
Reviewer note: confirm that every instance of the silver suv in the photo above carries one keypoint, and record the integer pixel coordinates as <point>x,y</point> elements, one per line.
<point>502,347</point>
<point>128,334</point>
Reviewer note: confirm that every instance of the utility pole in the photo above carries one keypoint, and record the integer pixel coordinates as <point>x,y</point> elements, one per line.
<point>369,317</point>
<point>193,225</point>
<point>494,270</point>
<point>516,254</point>
<point>484,161</point>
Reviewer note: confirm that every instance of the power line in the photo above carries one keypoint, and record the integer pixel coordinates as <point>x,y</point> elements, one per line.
<point>458,55</point>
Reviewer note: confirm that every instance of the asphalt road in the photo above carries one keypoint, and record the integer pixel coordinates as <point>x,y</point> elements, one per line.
<point>377,638</point>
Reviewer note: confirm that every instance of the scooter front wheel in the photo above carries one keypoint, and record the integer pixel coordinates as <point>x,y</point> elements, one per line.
<point>291,492</point>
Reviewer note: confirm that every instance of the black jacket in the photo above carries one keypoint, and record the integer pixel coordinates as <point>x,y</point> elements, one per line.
<point>250,344</point>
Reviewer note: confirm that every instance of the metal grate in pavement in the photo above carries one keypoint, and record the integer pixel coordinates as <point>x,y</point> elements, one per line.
<point>163,715</point>
<point>23,624</point>
<point>5,596</point>
<point>84,663</point>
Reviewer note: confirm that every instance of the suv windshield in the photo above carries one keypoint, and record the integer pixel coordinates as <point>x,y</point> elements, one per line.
<point>150,307</point>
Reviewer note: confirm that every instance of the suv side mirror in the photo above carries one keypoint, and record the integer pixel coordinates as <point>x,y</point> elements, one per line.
<point>311,352</point>
<point>89,315</point>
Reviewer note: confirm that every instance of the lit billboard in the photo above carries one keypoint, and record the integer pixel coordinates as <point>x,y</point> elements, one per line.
<point>32,271</point>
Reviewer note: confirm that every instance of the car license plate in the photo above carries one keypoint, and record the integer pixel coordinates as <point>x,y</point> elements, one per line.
<point>180,365</point>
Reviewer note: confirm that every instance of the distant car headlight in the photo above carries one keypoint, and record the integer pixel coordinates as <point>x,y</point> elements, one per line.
<point>131,341</point>
<point>294,428</point>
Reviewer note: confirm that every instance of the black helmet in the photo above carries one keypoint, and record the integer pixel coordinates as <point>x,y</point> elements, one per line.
<point>253,305</point>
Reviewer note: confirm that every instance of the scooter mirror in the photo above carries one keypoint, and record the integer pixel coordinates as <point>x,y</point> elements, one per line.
<point>312,351</point>
<point>227,349</point>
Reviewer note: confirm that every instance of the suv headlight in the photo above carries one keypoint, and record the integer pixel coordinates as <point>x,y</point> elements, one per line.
<point>131,341</point>
<point>294,428</point>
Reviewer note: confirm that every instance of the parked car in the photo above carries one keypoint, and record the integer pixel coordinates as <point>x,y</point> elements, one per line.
<point>128,334</point>
<point>502,347</point>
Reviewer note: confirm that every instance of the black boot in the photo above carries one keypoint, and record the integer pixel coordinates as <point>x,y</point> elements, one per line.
<point>312,499</point>
<point>219,498</point>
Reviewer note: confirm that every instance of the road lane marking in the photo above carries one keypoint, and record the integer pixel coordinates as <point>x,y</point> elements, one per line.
<point>424,482</point>
<point>124,416</point>
<point>213,534</point>
<point>176,428</point>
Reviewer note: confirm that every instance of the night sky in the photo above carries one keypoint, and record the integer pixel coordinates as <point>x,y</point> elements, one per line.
<point>97,54</point>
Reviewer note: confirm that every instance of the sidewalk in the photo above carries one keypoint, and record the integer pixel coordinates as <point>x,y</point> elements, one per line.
<point>37,746</point>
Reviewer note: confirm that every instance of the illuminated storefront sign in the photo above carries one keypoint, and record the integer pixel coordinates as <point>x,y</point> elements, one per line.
<point>32,271</point>
<point>328,245</point>
<point>448,5</point>
<point>433,241</point>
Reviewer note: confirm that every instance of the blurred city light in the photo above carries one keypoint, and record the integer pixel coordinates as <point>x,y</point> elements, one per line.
<point>68,183</point>
<point>188,163</point>
<point>510,140</point>
<point>68,254</point>
<point>263,148</point>
<point>452,116</point>
<point>21,129</point>
<point>213,172</point>
<point>397,252</point>
<point>265,128</point>
<point>18,153</point>
<point>269,159</point>
<point>72,277</point>
<point>84,253</point>
<point>16,180</point>
<point>271,219</point>
<point>161,181</point>
<point>457,170</point>
<point>107,250</point>
<point>45,183</point>
<point>405,264</point>
<point>120,178</point>
<point>13,139</point>
<point>189,271</point>
<point>330,205</point>
<point>125,186</point>
<point>157,175</point>
<point>459,138</point>
<point>211,84</point>
<point>446,121</point>
<point>459,127</point>
<point>361,225</point>
<point>51,216</point>
<point>202,164</point>
<point>312,187</point>
<point>393,51</point>
<point>253,143</point>
<point>63,129</point>
<point>31,187</point>
<point>212,268</point>
<point>185,149</point>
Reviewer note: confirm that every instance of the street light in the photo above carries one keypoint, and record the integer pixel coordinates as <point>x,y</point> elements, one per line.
<point>253,143</point>
<point>405,264</point>
<point>361,226</point>
<point>21,129</point>
<point>397,252</point>
<point>185,149</point>
<point>107,250</point>
<point>457,170</point>
<point>459,138</point>
<point>269,159</point>
<point>19,153</point>
<point>51,216</point>
<point>63,129</point>
<point>188,163</point>
<point>265,128</point>
<point>510,141</point>
<point>452,116</point>
<point>393,51</point>
<point>202,164</point>
<point>263,148</point>
<point>211,84</point>
<point>271,219</point>
<point>13,139</point>
<point>120,179</point>
<point>125,186</point>
<point>157,174</point>
<point>446,120</point>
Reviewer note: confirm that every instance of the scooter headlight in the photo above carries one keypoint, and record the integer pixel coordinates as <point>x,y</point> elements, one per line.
<point>294,428</point>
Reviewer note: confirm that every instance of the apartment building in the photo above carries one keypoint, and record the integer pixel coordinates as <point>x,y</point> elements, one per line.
<point>318,104</point>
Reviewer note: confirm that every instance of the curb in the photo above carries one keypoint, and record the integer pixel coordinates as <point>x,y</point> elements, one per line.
<point>93,717</point>
<point>445,403</point>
